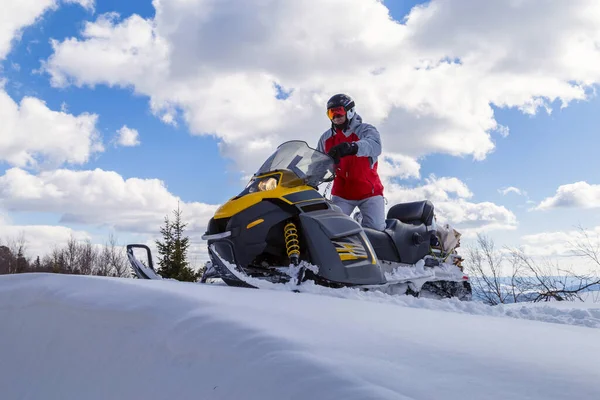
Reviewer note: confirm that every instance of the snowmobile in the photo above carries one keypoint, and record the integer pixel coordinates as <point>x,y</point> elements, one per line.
<point>281,230</point>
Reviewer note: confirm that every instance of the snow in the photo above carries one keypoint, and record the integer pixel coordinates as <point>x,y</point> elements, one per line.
<point>83,337</point>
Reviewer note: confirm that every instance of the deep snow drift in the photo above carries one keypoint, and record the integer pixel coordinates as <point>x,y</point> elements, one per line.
<point>80,337</point>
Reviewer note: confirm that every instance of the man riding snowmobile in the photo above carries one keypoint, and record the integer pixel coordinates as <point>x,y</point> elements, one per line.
<point>354,147</point>
<point>281,230</point>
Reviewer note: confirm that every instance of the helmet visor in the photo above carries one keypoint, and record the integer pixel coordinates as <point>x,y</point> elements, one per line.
<point>332,112</point>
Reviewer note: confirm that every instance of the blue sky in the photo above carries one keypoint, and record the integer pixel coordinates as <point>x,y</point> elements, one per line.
<point>541,152</point>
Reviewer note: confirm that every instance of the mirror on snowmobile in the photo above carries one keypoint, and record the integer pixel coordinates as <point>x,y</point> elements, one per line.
<point>142,270</point>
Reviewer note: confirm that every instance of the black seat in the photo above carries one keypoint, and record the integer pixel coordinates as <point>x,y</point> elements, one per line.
<point>411,241</point>
<point>415,213</point>
<point>383,245</point>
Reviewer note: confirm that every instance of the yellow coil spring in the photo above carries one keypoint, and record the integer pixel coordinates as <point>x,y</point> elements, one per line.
<point>292,244</point>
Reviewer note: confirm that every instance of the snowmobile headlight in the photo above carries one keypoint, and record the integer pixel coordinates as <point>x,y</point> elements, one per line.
<point>267,184</point>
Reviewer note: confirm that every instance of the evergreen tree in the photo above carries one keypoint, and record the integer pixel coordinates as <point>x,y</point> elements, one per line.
<point>173,250</point>
<point>181,244</point>
<point>165,249</point>
<point>38,264</point>
<point>22,265</point>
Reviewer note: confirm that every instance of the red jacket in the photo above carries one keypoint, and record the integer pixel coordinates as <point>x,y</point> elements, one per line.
<point>356,176</point>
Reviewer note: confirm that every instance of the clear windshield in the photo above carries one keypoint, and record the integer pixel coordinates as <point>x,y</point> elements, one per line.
<point>308,164</point>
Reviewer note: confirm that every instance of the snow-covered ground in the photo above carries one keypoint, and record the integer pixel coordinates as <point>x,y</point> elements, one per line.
<point>82,337</point>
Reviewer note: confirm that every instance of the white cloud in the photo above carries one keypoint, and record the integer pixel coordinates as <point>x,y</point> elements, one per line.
<point>548,243</point>
<point>427,83</point>
<point>562,247</point>
<point>127,137</point>
<point>33,135</point>
<point>450,198</point>
<point>512,189</point>
<point>17,14</point>
<point>96,199</point>
<point>87,4</point>
<point>40,240</point>
<point>578,194</point>
<point>504,131</point>
<point>435,189</point>
<point>398,166</point>
<point>128,53</point>
<point>99,198</point>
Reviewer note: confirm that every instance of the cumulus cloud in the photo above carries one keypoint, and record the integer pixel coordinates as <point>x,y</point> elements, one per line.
<point>398,166</point>
<point>573,195</point>
<point>562,244</point>
<point>450,198</point>
<point>16,15</point>
<point>127,137</point>
<point>99,198</point>
<point>40,240</point>
<point>133,53</point>
<point>548,244</point>
<point>428,82</point>
<point>33,135</point>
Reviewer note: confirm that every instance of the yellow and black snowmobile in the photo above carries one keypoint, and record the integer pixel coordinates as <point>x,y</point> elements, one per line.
<point>281,229</point>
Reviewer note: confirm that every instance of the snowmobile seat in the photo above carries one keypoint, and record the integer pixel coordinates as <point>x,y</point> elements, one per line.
<point>415,213</point>
<point>411,241</point>
<point>382,244</point>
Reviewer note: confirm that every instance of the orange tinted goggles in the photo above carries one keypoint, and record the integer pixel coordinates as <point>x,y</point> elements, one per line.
<point>336,111</point>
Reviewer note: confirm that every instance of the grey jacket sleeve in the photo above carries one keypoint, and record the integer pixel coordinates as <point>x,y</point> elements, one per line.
<point>369,143</point>
<point>321,143</point>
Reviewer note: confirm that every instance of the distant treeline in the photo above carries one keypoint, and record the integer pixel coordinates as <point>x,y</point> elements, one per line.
<point>84,258</point>
<point>74,257</point>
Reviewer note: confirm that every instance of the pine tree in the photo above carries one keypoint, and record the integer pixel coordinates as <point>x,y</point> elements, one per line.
<point>165,249</point>
<point>38,264</point>
<point>181,244</point>
<point>173,250</point>
<point>21,262</point>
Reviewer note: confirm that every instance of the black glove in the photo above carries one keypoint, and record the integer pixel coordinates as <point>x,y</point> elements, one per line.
<point>343,150</point>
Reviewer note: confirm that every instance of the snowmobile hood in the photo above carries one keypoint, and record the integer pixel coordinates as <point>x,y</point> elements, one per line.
<point>241,202</point>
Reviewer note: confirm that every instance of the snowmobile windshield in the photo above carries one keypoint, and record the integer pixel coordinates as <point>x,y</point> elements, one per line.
<point>308,164</point>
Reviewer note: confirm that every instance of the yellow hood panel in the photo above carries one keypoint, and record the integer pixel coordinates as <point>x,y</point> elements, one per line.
<point>235,206</point>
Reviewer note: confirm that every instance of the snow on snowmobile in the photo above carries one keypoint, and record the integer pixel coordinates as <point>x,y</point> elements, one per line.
<point>280,229</point>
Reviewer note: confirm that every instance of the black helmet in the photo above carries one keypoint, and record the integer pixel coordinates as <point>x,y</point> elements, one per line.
<point>342,100</point>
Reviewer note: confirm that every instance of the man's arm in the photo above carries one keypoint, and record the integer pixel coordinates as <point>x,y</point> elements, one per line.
<point>369,142</point>
<point>321,144</point>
